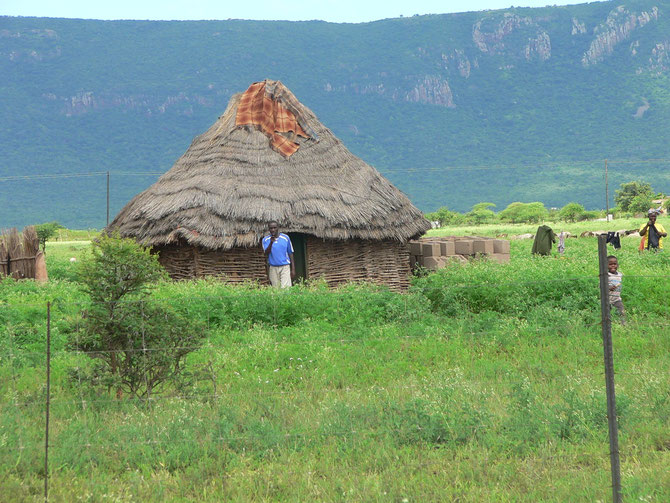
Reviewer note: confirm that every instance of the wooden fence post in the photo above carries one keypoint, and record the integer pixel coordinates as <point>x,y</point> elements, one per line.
<point>609,368</point>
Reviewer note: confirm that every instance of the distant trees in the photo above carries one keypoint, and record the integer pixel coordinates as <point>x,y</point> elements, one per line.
<point>517,212</point>
<point>444,216</point>
<point>46,232</point>
<point>575,212</point>
<point>481,214</point>
<point>572,212</point>
<point>524,212</point>
<point>634,197</point>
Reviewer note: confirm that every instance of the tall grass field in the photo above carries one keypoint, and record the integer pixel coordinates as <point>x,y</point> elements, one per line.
<point>484,382</point>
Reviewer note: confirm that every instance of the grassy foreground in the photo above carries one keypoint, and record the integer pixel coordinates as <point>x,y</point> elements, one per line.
<point>484,383</point>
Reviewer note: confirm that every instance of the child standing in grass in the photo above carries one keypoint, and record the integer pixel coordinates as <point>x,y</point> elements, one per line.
<point>614,281</point>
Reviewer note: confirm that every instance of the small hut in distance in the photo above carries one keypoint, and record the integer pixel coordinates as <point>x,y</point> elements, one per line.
<point>269,158</point>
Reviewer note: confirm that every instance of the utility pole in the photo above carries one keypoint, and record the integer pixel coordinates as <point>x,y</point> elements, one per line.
<point>108,197</point>
<point>607,196</point>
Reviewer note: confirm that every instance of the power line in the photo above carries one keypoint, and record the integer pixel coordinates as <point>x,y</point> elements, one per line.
<point>495,167</point>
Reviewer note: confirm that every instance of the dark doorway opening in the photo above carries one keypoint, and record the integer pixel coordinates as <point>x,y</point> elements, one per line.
<point>299,242</point>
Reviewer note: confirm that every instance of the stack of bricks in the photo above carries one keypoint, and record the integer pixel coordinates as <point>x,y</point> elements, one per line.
<point>436,252</point>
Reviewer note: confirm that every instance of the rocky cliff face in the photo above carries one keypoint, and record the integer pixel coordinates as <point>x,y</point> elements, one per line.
<point>428,89</point>
<point>618,26</point>
<point>507,39</point>
<point>432,89</point>
<point>577,27</point>
<point>88,101</point>
<point>459,61</point>
<point>659,61</point>
<point>490,36</point>
<point>29,45</point>
<point>538,47</point>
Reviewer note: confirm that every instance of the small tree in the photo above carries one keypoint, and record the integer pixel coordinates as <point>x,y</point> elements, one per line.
<point>629,191</point>
<point>572,212</point>
<point>445,216</point>
<point>46,232</point>
<point>481,213</point>
<point>524,212</point>
<point>640,203</point>
<point>138,345</point>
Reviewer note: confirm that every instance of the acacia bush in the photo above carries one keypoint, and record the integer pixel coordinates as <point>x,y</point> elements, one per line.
<point>572,212</point>
<point>524,212</point>
<point>444,216</point>
<point>46,232</point>
<point>137,344</point>
<point>634,196</point>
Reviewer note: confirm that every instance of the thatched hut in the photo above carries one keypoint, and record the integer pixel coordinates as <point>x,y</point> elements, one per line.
<point>269,158</point>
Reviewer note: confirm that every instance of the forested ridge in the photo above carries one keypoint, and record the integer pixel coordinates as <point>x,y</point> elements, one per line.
<point>510,105</point>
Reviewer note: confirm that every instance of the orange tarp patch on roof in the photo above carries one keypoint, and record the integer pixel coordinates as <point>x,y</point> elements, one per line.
<point>260,107</point>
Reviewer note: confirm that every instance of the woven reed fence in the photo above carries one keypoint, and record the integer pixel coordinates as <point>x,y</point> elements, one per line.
<point>19,253</point>
<point>335,261</point>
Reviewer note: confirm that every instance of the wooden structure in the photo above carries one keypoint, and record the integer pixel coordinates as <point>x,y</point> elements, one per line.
<point>20,253</point>
<point>335,261</point>
<point>207,215</point>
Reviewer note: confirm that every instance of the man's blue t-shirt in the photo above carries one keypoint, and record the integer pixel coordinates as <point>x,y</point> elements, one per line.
<point>280,250</point>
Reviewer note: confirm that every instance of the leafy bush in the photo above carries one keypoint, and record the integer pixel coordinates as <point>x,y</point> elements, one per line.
<point>637,194</point>
<point>137,346</point>
<point>572,212</point>
<point>524,212</point>
<point>640,203</point>
<point>445,217</point>
<point>481,214</point>
<point>46,232</point>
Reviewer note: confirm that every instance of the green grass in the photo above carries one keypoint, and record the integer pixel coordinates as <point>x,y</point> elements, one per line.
<point>575,228</point>
<point>483,383</point>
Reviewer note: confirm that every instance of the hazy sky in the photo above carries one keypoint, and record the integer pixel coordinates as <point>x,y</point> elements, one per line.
<point>337,11</point>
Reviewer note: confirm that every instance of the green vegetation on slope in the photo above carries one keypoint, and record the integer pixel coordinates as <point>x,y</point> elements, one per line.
<point>418,98</point>
<point>483,383</point>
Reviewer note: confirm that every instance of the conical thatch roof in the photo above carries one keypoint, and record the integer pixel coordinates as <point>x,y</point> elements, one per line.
<point>231,182</point>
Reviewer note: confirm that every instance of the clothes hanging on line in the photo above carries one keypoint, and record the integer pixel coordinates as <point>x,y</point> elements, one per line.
<point>544,237</point>
<point>614,239</point>
<point>561,242</point>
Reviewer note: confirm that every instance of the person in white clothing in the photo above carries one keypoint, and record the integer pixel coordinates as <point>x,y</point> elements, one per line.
<point>614,281</point>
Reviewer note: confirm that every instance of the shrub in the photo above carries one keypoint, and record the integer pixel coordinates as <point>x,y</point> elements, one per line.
<point>572,212</point>
<point>46,232</point>
<point>629,191</point>
<point>137,346</point>
<point>481,214</point>
<point>524,213</point>
<point>445,217</point>
<point>640,203</point>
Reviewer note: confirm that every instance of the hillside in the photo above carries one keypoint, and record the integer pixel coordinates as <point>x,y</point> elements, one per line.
<point>516,104</point>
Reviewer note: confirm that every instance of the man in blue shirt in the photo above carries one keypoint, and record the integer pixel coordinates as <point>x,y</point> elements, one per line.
<point>279,264</point>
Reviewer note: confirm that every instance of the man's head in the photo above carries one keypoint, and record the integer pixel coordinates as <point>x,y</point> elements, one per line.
<point>612,264</point>
<point>273,227</point>
<point>652,217</point>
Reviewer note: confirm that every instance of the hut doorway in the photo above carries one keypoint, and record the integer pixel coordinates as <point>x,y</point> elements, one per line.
<point>299,242</point>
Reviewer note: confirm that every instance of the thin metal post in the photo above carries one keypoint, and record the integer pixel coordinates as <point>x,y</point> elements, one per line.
<point>609,369</point>
<point>48,406</point>
<point>108,198</point>
<point>607,196</point>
